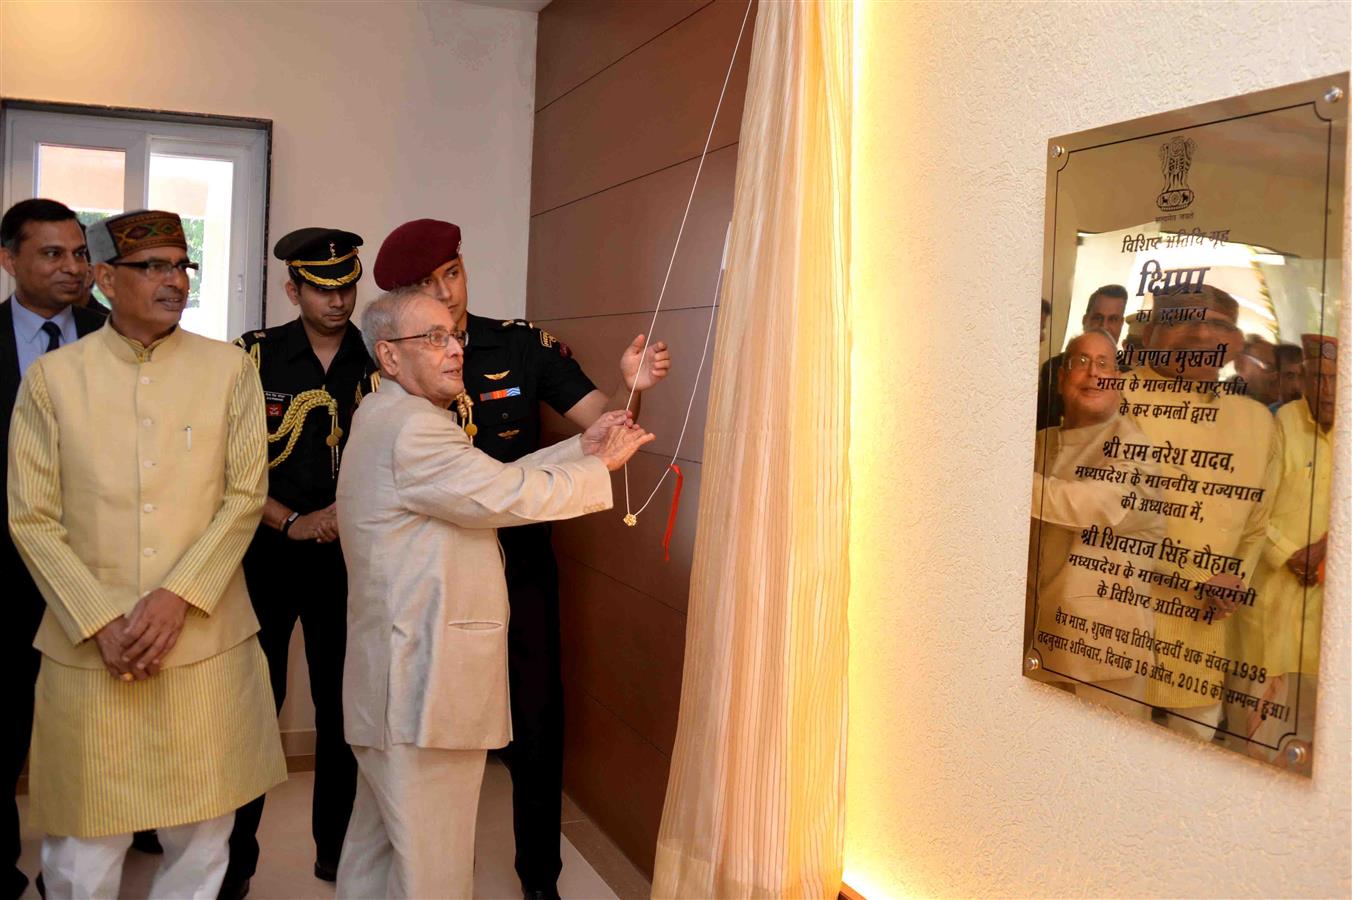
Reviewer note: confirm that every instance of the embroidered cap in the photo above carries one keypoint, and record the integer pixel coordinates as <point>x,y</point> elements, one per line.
<point>119,236</point>
<point>1319,346</point>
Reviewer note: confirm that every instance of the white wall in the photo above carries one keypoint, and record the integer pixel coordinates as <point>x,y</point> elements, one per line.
<point>382,112</point>
<point>964,778</point>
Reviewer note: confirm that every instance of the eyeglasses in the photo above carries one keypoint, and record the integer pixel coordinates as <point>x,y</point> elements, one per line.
<point>1099,363</point>
<point>436,337</point>
<point>160,268</point>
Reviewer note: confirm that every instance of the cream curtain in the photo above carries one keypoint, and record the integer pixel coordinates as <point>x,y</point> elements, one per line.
<point>755,800</point>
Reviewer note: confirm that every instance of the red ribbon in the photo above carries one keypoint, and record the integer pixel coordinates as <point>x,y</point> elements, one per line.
<point>671,519</point>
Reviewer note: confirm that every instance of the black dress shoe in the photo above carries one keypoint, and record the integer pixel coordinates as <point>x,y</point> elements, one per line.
<point>233,888</point>
<point>147,842</point>
<point>541,894</point>
<point>326,871</point>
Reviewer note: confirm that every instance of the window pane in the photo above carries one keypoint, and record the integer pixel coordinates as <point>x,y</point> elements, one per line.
<point>200,191</point>
<point>87,179</point>
<point>83,178</point>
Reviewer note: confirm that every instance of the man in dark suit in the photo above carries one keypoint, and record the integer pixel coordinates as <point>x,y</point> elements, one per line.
<point>42,247</point>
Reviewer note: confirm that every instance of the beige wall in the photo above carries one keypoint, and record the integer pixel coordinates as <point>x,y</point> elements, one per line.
<point>382,112</point>
<point>965,779</point>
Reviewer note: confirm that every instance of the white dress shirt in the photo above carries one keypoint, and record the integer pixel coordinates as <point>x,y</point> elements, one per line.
<point>30,339</point>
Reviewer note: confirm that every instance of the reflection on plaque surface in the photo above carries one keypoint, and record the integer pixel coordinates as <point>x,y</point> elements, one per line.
<point>1186,398</point>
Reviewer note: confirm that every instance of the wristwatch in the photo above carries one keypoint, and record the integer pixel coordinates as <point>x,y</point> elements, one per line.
<point>290,520</point>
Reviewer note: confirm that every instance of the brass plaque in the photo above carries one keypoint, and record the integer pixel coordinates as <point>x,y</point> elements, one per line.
<point>1186,397</point>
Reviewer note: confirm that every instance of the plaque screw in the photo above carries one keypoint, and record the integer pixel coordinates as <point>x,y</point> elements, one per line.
<point>1295,754</point>
<point>1032,664</point>
<point>1333,95</point>
<point>1058,151</point>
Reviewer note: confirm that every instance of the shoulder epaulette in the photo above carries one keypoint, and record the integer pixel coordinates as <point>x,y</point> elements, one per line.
<point>368,385</point>
<point>250,343</point>
<point>512,323</point>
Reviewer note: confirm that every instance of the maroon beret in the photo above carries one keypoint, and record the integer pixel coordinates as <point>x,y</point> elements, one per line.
<point>413,250</point>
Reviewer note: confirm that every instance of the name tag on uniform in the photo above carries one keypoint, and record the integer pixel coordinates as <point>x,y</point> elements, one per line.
<point>499,395</point>
<point>276,403</point>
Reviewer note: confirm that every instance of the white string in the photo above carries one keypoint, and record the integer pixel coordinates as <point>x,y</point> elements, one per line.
<point>688,407</point>
<point>680,232</point>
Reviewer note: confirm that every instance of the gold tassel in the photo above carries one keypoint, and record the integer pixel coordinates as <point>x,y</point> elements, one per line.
<point>294,421</point>
<point>464,406</point>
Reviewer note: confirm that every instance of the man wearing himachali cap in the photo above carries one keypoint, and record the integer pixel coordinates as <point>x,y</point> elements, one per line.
<point>153,708</point>
<point>1281,633</point>
<point>1227,438</point>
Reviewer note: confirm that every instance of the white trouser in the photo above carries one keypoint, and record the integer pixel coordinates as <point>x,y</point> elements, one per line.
<point>1125,695</point>
<point>195,857</point>
<point>1200,723</point>
<point>1256,735</point>
<point>412,828</point>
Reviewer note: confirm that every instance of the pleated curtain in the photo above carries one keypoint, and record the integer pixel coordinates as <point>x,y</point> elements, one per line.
<point>755,799</point>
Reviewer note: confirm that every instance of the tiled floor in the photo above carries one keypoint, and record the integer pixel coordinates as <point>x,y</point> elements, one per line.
<point>284,871</point>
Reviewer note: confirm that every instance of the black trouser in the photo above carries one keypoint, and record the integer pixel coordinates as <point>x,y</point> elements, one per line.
<point>290,580</point>
<point>20,668</point>
<point>535,755</point>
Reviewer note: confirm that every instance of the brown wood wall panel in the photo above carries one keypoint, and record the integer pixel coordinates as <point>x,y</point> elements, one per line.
<point>609,254</point>
<point>616,777</point>
<point>624,94</point>
<point>648,111</point>
<point>633,556</point>
<point>618,649</point>
<point>597,342</point>
<point>578,38</point>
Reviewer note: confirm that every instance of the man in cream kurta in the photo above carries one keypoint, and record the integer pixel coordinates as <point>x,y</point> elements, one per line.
<point>1228,441</point>
<point>137,472</point>
<point>1281,634</point>
<point>425,689</point>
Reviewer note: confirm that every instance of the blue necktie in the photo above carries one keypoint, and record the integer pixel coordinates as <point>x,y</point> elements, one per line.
<point>53,336</point>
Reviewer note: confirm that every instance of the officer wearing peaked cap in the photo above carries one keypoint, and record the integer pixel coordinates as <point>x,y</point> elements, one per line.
<point>310,369</point>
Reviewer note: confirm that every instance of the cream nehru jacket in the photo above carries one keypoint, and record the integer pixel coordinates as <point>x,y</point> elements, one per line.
<point>427,599</point>
<point>131,469</point>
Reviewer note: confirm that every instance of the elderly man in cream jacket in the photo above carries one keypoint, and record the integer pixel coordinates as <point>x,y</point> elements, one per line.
<point>425,677</point>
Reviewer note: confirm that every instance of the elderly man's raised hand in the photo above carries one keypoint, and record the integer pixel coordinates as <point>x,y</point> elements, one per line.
<point>613,438</point>
<point>596,433</point>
